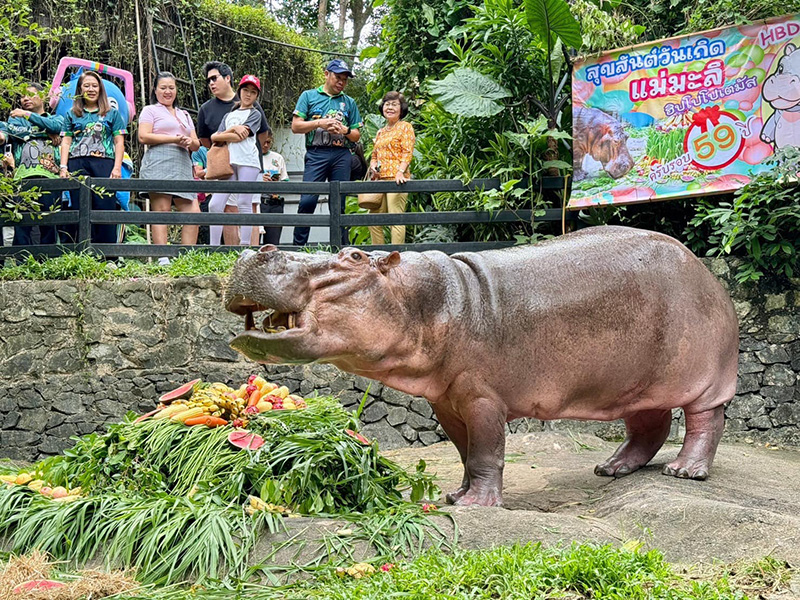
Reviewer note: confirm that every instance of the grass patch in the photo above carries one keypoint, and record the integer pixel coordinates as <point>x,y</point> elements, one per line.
<point>86,265</point>
<point>519,572</point>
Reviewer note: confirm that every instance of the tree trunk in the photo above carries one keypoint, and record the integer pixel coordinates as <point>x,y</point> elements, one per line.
<point>322,16</point>
<point>361,12</point>
<point>343,6</point>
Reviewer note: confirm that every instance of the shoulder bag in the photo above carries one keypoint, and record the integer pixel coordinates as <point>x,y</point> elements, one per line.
<point>218,165</point>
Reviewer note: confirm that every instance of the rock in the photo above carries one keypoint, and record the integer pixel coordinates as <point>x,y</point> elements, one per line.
<point>778,393</point>
<point>408,432</point>
<point>68,403</point>
<point>750,366</point>
<point>745,407</point>
<point>373,387</point>
<point>374,412</point>
<point>773,354</point>
<point>422,407</point>
<point>748,382</point>
<point>11,420</point>
<point>111,408</point>
<point>392,396</point>
<point>396,415</point>
<point>419,422</point>
<point>32,420</point>
<point>55,420</point>
<point>732,425</point>
<point>763,422</point>
<point>29,398</point>
<point>387,436</point>
<point>54,445</point>
<point>786,414</point>
<point>775,301</point>
<point>779,374</point>
<point>428,438</point>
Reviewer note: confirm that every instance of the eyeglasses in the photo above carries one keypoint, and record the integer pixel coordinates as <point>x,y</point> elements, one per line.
<point>392,103</point>
<point>212,78</point>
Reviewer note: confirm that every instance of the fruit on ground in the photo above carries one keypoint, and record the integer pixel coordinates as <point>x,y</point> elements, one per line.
<point>59,492</point>
<point>245,440</point>
<point>185,391</point>
<point>23,478</point>
<point>264,406</point>
<point>38,584</point>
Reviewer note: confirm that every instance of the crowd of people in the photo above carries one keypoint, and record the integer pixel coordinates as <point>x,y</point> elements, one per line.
<point>231,140</point>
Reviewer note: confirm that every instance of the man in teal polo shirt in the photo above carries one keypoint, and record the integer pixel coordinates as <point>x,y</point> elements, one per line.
<point>326,116</point>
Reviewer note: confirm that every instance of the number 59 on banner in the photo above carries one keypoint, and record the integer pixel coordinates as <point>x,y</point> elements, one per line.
<point>714,143</point>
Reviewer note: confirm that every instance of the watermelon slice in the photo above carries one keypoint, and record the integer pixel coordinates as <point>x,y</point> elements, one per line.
<point>357,436</point>
<point>38,584</point>
<point>245,440</point>
<point>185,391</point>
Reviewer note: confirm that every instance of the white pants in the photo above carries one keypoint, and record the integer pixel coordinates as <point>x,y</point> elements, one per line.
<point>243,201</point>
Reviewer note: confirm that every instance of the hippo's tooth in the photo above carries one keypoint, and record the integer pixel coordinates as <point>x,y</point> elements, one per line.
<point>249,321</point>
<point>292,320</point>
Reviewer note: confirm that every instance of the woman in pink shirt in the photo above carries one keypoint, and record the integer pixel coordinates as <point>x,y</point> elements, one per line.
<point>169,134</point>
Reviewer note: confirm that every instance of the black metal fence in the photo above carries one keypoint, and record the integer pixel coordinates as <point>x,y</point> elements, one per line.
<point>85,217</point>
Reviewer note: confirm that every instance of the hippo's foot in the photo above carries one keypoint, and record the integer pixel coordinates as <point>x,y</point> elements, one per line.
<point>687,469</point>
<point>479,497</point>
<point>647,431</point>
<point>455,496</point>
<point>703,432</point>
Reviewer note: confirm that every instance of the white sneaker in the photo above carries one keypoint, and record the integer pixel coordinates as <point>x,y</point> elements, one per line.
<point>163,261</point>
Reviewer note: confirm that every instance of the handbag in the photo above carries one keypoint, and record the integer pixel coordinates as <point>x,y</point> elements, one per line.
<point>370,201</point>
<point>218,162</point>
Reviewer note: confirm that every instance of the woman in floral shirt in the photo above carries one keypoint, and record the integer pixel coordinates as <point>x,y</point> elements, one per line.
<point>391,157</point>
<point>93,144</point>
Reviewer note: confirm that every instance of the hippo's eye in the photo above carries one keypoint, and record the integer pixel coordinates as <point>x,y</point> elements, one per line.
<point>780,69</point>
<point>357,255</point>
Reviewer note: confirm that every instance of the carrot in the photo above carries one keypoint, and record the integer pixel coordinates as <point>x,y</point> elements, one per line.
<point>254,398</point>
<point>206,420</point>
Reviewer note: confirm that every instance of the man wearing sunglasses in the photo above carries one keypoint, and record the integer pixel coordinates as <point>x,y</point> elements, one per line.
<point>218,77</point>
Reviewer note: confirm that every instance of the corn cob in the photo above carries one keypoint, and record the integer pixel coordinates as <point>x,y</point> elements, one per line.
<point>172,409</point>
<point>187,414</point>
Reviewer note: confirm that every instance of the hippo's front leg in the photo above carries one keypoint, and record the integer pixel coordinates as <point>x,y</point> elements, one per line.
<point>456,431</point>
<point>485,420</point>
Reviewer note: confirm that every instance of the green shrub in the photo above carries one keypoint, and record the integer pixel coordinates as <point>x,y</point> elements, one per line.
<point>762,224</point>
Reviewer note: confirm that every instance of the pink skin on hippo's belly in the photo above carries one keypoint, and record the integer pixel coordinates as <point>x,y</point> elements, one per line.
<point>482,337</point>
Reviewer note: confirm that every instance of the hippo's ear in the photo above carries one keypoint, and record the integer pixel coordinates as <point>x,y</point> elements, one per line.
<point>268,248</point>
<point>388,262</point>
<point>789,49</point>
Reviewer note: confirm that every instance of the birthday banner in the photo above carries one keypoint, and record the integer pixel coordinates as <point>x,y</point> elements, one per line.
<point>685,116</point>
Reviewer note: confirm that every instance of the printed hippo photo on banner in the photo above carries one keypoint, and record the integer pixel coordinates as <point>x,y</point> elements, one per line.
<point>650,330</point>
<point>692,115</point>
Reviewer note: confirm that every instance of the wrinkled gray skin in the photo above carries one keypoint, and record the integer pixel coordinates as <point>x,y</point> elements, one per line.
<point>605,323</point>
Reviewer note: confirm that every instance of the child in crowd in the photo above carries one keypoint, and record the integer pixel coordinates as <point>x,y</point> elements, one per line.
<point>238,129</point>
<point>274,169</point>
<point>93,144</point>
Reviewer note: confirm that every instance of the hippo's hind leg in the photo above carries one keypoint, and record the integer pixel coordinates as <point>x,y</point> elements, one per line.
<point>647,431</point>
<point>703,432</point>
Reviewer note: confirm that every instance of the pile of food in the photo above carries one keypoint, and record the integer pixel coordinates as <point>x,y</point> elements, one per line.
<point>216,404</point>
<point>186,490</point>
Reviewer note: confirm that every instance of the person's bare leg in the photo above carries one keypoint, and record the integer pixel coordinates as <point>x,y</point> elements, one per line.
<point>188,232</point>
<point>254,235</point>
<point>160,203</point>
<point>230,233</point>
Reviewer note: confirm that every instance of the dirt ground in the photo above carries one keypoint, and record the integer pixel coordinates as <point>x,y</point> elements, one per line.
<point>748,508</point>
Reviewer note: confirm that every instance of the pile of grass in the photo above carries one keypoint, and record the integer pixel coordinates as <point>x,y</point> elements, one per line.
<point>37,566</point>
<point>171,500</point>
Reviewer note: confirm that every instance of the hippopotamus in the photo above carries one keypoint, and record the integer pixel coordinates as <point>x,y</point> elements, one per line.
<point>782,91</point>
<point>603,138</point>
<point>604,323</point>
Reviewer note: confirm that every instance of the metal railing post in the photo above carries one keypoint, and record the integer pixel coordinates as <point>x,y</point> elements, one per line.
<point>85,213</point>
<point>335,209</point>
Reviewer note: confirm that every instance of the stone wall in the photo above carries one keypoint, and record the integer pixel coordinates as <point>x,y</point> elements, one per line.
<point>76,355</point>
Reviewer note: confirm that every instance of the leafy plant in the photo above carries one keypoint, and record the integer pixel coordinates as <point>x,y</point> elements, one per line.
<point>762,224</point>
<point>467,93</point>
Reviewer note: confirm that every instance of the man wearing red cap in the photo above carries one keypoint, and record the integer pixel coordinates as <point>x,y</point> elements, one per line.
<point>326,116</point>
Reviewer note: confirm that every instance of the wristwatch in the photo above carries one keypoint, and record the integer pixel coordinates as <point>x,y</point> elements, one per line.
<point>349,129</point>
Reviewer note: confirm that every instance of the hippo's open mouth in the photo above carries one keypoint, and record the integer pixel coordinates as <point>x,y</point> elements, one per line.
<point>273,322</point>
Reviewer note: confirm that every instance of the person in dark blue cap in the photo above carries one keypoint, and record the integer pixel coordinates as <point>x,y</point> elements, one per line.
<point>327,117</point>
